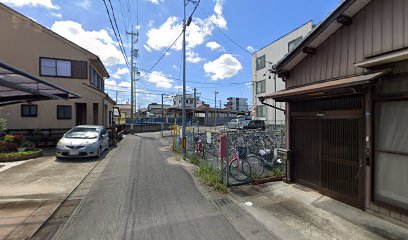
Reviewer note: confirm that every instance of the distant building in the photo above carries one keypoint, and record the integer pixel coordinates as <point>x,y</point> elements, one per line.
<point>155,109</point>
<point>263,81</point>
<point>178,101</point>
<point>237,104</point>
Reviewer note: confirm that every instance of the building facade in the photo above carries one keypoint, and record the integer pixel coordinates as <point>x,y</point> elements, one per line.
<point>155,109</point>
<point>44,54</point>
<point>346,86</point>
<point>264,81</point>
<point>237,104</point>
<point>178,101</point>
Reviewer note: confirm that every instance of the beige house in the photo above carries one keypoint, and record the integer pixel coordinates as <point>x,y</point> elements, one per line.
<point>38,51</point>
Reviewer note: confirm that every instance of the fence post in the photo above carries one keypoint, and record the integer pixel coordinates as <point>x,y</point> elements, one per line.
<point>193,142</point>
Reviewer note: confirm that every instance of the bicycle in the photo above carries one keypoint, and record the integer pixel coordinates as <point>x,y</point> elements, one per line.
<point>265,160</point>
<point>199,148</point>
<point>239,167</point>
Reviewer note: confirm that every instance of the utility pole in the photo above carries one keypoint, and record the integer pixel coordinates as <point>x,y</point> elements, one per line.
<point>133,54</point>
<point>195,103</point>
<point>215,104</point>
<point>162,114</point>
<point>183,120</point>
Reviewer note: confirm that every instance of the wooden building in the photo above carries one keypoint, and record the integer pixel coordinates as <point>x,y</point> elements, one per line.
<point>347,106</point>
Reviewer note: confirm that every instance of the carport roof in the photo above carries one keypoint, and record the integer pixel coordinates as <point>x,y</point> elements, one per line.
<point>17,86</point>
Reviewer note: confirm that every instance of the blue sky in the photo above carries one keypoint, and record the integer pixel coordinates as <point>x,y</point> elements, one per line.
<point>213,61</point>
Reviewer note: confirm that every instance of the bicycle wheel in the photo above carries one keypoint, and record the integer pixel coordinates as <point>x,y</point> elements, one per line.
<point>240,173</point>
<point>257,168</point>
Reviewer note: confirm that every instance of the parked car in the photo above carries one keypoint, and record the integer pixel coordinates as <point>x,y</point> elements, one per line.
<point>83,141</point>
<point>255,124</point>
<point>237,123</point>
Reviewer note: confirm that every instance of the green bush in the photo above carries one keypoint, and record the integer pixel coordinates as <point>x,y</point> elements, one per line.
<point>9,138</point>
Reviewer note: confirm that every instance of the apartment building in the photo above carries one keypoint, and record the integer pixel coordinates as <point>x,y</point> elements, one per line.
<point>44,54</point>
<point>264,82</point>
<point>237,104</point>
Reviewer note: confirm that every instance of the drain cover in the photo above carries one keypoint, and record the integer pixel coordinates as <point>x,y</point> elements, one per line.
<point>222,201</point>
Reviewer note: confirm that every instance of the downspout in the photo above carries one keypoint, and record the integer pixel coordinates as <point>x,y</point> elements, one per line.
<point>262,100</point>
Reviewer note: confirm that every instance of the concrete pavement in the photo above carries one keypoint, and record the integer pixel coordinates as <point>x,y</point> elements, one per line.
<point>32,190</point>
<point>292,211</point>
<point>141,196</point>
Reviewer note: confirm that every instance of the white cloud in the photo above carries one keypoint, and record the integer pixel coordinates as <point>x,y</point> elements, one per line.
<point>174,66</point>
<point>225,66</point>
<point>124,84</point>
<point>196,33</point>
<point>159,79</point>
<point>156,2</point>
<point>97,42</point>
<point>85,4</point>
<point>147,48</point>
<point>171,29</point>
<point>35,3</point>
<point>180,87</point>
<point>250,49</point>
<point>110,84</point>
<point>55,14</point>
<point>151,23</point>
<point>213,45</point>
<point>120,72</point>
<point>193,57</point>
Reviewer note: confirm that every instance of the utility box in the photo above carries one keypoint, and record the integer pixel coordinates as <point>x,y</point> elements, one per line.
<point>222,146</point>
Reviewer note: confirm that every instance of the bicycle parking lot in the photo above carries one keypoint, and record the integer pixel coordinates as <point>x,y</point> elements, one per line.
<point>244,155</point>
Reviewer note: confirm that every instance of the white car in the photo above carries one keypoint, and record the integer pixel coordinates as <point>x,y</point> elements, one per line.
<point>236,123</point>
<point>83,141</point>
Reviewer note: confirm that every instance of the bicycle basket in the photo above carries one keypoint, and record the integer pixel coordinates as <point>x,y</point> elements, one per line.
<point>242,152</point>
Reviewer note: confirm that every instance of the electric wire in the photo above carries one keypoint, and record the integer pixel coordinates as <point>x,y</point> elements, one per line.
<point>219,29</point>
<point>117,39</point>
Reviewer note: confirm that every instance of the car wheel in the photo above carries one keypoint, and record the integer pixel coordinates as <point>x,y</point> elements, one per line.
<point>99,151</point>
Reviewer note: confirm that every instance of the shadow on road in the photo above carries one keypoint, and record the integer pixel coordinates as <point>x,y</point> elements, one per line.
<point>82,159</point>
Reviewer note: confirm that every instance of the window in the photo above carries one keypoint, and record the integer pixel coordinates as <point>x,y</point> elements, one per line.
<point>260,62</point>
<point>261,111</point>
<point>55,67</point>
<point>261,86</point>
<point>96,80</point>
<point>64,112</point>
<point>29,110</point>
<point>391,157</point>
<point>294,43</point>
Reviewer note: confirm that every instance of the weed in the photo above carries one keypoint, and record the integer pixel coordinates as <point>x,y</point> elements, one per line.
<point>211,177</point>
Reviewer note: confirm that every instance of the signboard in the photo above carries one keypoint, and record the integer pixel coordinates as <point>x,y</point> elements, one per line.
<point>208,137</point>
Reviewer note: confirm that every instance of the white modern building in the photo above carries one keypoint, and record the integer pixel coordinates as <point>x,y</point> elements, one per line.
<point>178,101</point>
<point>237,104</point>
<point>264,82</point>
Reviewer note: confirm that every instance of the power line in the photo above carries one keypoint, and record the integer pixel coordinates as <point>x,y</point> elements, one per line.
<point>219,29</point>
<point>117,39</point>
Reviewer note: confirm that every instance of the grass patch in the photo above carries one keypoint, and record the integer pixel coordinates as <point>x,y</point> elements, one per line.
<point>194,159</point>
<point>178,158</point>
<point>211,177</point>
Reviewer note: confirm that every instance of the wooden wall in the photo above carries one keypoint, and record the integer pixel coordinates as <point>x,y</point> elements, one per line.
<point>380,27</point>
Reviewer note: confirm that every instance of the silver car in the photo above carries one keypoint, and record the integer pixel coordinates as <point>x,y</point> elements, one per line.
<point>83,141</point>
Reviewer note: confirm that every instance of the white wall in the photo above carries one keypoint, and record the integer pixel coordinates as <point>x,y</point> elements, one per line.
<point>273,53</point>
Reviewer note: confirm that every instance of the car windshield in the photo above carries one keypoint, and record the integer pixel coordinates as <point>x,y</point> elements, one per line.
<point>87,133</point>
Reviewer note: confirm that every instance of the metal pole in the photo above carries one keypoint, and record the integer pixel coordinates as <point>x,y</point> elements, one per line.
<point>195,103</point>
<point>274,77</point>
<point>215,105</point>
<point>162,115</point>
<point>183,131</point>
<point>132,74</point>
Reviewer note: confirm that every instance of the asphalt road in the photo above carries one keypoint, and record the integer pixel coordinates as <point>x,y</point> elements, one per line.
<point>140,196</point>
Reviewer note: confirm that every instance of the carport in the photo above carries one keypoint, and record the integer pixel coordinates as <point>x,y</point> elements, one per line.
<point>17,86</point>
